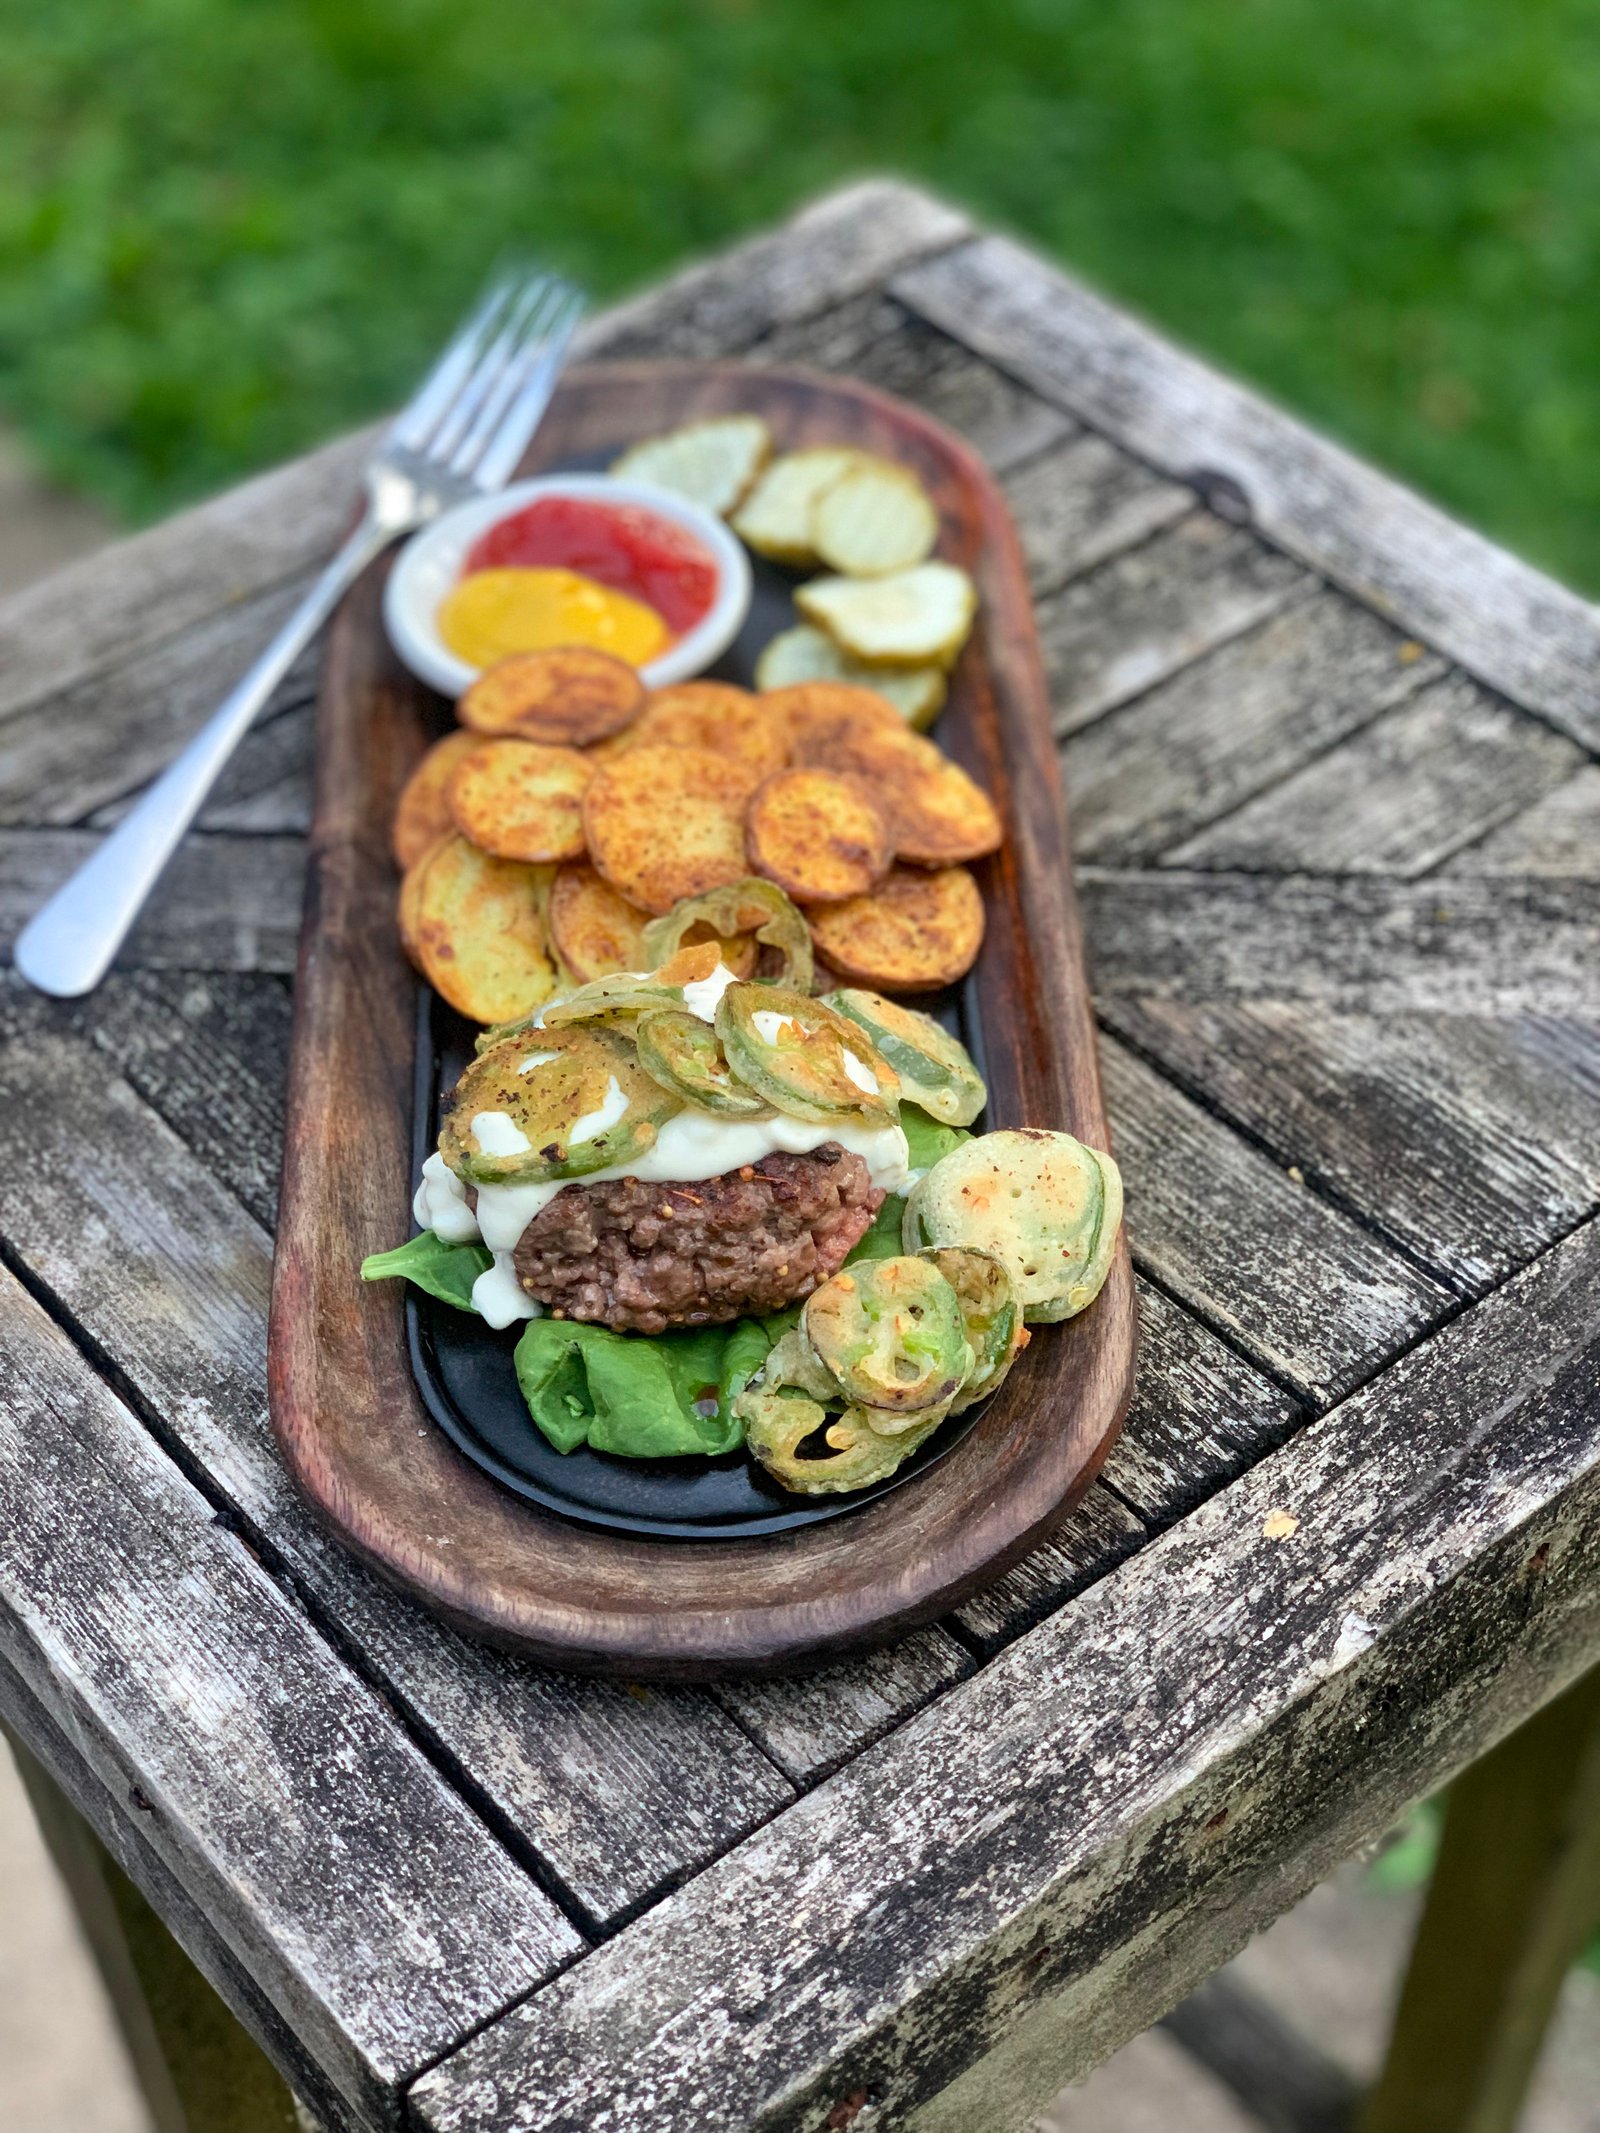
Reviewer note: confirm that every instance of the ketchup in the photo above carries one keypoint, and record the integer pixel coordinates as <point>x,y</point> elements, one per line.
<point>620,545</point>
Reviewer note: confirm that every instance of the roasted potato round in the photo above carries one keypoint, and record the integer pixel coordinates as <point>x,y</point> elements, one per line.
<point>422,813</point>
<point>521,799</point>
<point>474,925</point>
<point>914,932</point>
<point>665,823</point>
<point>567,696</point>
<point>819,834</point>
<point>937,814</point>
<point>594,930</point>
<point>715,715</point>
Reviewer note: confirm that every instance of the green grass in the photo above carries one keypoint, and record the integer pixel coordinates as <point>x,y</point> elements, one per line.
<point>229,226</point>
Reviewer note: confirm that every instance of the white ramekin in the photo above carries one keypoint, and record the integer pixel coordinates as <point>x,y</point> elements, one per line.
<point>430,563</point>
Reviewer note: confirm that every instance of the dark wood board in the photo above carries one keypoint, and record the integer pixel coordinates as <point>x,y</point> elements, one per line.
<point>344,1403</point>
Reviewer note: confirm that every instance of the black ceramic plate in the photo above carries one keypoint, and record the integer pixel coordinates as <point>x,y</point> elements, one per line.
<point>464,1368</point>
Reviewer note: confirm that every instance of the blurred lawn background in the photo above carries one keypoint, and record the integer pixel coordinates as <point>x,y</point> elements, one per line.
<point>230,227</point>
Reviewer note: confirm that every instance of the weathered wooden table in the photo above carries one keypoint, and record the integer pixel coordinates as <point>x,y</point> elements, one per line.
<point>1330,762</point>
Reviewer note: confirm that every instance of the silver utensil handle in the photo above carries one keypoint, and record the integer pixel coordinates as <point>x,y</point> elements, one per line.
<point>68,944</point>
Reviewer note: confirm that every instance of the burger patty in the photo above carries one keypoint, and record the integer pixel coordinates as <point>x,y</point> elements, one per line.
<point>640,1257</point>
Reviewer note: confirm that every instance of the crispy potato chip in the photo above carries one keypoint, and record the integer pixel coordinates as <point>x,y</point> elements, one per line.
<point>914,932</point>
<point>806,653</point>
<point>521,800</point>
<point>937,815</point>
<point>422,813</point>
<point>775,518</point>
<point>594,930</point>
<point>712,463</point>
<point>475,929</point>
<point>566,697</point>
<point>717,716</point>
<point>915,617</point>
<point>819,834</point>
<point>665,823</point>
<point>876,518</point>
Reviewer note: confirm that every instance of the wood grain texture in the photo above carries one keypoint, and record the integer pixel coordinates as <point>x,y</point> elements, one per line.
<point>1400,795</point>
<point>1513,628</point>
<point>225,903</point>
<point>1233,724</point>
<point>1457,945</point>
<point>1121,629</point>
<point>1085,502</point>
<point>324,1856</point>
<point>1110,1840</point>
<point>344,1403</point>
<point>883,344</point>
<point>1298,1286</point>
<point>811,1725</point>
<point>1454,1135</point>
<point>1560,835</point>
<point>157,1266</point>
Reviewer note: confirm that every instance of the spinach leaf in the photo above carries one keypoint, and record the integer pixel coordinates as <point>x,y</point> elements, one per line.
<point>444,1270</point>
<point>664,1397</point>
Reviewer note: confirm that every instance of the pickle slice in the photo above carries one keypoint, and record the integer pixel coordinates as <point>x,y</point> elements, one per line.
<point>804,1059</point>
<point>685,1055</point>
<point>893,1334</point>
<point>991,1313</point>
<point>552,1103</point>
<point>935,1069</point>
<point>751,906</point>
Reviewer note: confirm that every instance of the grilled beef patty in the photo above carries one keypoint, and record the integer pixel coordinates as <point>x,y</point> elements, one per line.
<point>641,1258</point>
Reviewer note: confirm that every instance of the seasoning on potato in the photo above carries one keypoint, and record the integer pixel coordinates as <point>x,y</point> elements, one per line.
<point>521,799</point>
<point>475,927</point>
<point>422,813</point>
<point>819,834</point>
<point>914,932</point>
<point>567,696</point>
<point>593,929</point>
<point>665,823</point>
<point>715,715</point>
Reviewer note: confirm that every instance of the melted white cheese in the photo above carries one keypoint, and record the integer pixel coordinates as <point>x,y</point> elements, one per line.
<point>441,1204</point>
<point>768,1022</point>
<point>612,1109</point>
<point>537,1059</point>
<point>702,996</point>
<point>499,1298</point>
<point>860,1073</point>
<point>496,1134</point>
<point>691,1145</point>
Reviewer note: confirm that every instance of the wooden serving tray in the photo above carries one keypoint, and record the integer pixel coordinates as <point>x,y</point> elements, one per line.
<point>344,1404</point>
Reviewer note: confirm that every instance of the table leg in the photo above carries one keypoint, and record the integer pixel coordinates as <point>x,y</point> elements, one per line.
<point>1514,1896</point>
<point>198,2070</point>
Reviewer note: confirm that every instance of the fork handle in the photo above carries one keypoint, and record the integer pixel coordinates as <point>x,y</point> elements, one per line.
<point>67,946</point>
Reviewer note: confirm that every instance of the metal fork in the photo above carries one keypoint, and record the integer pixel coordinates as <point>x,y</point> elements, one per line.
<point>464,433</point>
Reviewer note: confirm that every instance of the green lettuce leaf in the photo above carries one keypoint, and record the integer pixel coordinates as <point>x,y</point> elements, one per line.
<point>882,1241</point>
<point>444,1270</point>
<point>927,1139</point>
<point>658,1398</point>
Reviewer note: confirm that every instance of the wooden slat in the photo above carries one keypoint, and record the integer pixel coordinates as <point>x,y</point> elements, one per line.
<point>811,1725</point>
<point>1118,631</point>
<point>1085,502</point>
<point>1200,1415</point>
<point>168,1656</point>
<point>164,1271</point>
<point>1098,1535</point>
<point>1449,1133</point>
<point>1357,945</point>
<point>225,903</point>
<point>1068,1841</point>
<point>265,790</point>
<point>79,749</point>
<point>1560,835</point>
<point>837,247</point>
<point>1398,797</point>
<point>1297,1285</point>
<point>1503,621</point>
<point>882,342</point>
<point>1233,724</point>
<point>106,612</point>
